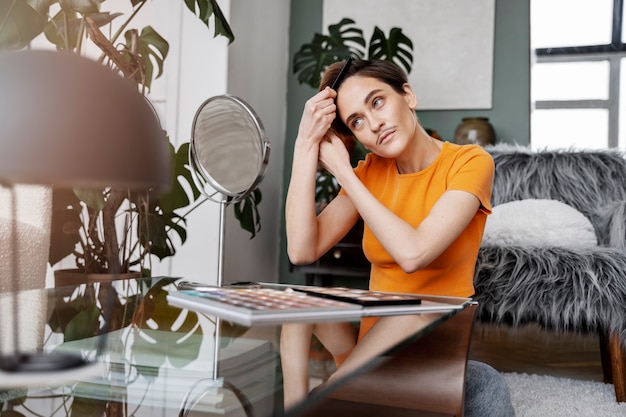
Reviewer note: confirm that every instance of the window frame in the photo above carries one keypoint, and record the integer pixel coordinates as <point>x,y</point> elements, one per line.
<point>613,53</point>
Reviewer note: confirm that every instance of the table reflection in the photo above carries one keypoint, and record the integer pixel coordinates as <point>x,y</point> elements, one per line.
<point>148,357</point>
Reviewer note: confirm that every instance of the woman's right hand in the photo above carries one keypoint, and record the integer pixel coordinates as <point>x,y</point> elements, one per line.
<point>319,113</point>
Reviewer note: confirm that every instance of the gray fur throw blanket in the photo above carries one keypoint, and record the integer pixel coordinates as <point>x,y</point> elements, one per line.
<point>557,288</point>
<point>563,289</point>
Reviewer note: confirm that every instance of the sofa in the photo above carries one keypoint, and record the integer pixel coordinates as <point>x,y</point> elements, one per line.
<point>554,249</point>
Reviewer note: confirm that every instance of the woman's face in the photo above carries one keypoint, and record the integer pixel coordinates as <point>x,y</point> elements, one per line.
<point>381,119</point>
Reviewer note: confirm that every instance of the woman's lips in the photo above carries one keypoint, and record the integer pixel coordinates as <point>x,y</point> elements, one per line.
<point>383,138</point>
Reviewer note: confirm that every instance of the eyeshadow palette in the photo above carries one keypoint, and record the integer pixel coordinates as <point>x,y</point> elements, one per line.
<point>266,299</point>
<point>361,297</point>
<point>278,304</point>
<point>250,305</point>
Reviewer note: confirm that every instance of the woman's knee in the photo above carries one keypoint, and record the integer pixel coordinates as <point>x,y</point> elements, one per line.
<point>337,338</point>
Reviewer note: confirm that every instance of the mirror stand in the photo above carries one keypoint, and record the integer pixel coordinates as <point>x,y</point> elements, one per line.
<point>228,155</point>
<point>220,247</point>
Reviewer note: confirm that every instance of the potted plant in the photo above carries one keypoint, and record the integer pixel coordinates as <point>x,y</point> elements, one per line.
<point>345,40</point>
<point>110,229</point>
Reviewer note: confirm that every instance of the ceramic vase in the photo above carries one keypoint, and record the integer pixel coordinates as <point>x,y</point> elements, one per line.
<point>475,130</point>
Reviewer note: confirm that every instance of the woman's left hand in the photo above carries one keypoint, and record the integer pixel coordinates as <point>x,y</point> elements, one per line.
<point>334,155</point>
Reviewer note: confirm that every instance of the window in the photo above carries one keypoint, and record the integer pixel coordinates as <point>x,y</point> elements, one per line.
<point>578,74</point>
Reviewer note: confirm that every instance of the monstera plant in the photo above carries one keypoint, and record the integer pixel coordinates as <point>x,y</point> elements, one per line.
<point>344,40</point>
<point>114,229</point>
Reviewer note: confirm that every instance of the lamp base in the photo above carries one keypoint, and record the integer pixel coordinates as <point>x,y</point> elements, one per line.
<point>40,362</point>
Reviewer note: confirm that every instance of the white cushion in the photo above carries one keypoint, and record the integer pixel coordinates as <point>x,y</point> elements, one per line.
<point>538,223</point>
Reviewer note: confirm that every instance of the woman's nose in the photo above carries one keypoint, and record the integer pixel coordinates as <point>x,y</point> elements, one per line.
<point>376,123</point>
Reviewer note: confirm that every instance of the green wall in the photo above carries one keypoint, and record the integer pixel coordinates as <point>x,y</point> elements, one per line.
<point>510,114</point>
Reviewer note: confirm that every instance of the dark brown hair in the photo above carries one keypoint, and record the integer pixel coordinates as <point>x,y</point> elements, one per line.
<point>382,70</point>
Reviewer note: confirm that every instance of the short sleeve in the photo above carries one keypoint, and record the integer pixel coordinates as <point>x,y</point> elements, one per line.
<point>473,171</point>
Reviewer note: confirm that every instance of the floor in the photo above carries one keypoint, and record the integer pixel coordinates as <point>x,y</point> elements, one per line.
<point>533,350</point>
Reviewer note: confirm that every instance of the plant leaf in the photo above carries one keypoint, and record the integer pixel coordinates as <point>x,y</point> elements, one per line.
<point>177,197</point>
<point>55,29</point>
<point>65,224</point>
<point>103,18</point>
<point>152,49</point>
<point>84,324</point>
<point>42,6</point>
<point>326,187</point>
<point>93,198</point>
<point>160,227</point>
<point>19,24</point>
<point>343,40</point>
<point>230,331</point>
<point>83,406</point>
<point>157,237</point>
<point>81,6</point>
<point>204,9</point>
<point>172,337</point>
<point>247,212</point>
<point>397,48</point>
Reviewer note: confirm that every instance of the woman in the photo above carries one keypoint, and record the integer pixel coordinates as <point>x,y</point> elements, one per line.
<point>424,204</point>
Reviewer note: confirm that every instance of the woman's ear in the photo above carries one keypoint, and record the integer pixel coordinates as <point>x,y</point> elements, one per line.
<point>410,96</point>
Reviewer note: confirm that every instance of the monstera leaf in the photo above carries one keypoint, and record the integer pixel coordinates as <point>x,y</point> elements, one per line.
<point>204,9</point>
<point>247,212</point>
<point>151,49</point>
<point>346,40</point>
<point>19,24</point>
<point>397,48</point>
<point>343,40</point>
<point>161,224</point>
<point>164,331</point>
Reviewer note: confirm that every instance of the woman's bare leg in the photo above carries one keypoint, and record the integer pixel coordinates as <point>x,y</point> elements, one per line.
<point>337,338</point>
<point>385,334</point>
<point>295,342</point>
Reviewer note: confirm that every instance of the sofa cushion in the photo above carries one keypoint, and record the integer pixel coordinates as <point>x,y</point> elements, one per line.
<point>538,223</point>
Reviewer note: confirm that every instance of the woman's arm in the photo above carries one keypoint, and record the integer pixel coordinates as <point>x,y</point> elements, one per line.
<point>309,237</point>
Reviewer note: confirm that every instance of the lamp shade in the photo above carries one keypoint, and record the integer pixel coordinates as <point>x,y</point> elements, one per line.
<point>69,121</point>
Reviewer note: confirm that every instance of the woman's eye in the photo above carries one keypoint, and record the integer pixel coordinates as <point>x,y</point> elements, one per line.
<point>356,123</point>
<point>377,102</point>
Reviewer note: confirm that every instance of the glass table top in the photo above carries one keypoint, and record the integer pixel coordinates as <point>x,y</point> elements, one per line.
<point>144,356</point>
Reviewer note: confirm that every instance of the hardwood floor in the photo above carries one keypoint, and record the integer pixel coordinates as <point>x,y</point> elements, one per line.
<point>533,350</point>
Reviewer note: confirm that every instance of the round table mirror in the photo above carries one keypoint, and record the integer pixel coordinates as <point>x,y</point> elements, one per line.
<point>228,154</point>
<point>229,150</point>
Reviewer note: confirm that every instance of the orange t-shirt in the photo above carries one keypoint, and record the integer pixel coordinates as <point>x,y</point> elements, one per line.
<point>411,196</point>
